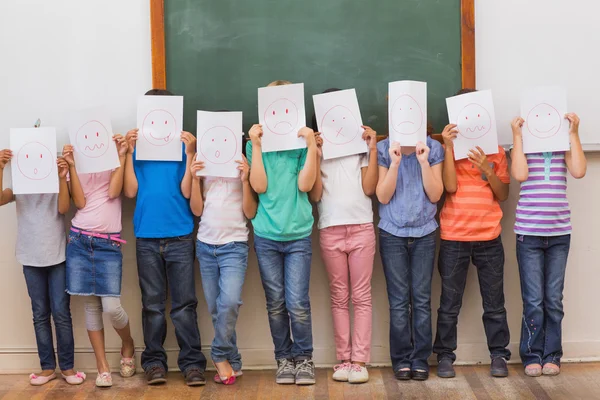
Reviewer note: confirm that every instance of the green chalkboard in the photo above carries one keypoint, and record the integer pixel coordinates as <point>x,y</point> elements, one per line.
<point>218,52</point>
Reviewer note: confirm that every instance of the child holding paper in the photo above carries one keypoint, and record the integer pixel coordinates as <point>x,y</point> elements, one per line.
<point>222,251</point>
<point>543,229</point>
<point>282,229</point>
<point>94,259</point>
<point>470,231</point>
<point>347,239</point>
<point>41,250</point>
<point>410,184</point>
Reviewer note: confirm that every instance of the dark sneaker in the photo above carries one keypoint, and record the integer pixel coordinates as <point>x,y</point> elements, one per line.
<point>194,377</point>
<point>499,367</point>
<point>305,372</point>
<point>286,372</point>
<point>156,375</point>
<point>420,375</point>
<point>445,368</point>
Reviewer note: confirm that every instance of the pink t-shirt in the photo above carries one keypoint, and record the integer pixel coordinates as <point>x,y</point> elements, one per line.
<point>100,214</point>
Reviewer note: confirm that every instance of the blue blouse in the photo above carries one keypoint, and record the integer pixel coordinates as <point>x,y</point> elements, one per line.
<point>409,213</point>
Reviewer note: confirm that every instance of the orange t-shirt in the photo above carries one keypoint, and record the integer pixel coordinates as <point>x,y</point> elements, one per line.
<point>473,213</point>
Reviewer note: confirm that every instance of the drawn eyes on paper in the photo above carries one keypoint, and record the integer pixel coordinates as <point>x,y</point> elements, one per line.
<point>281,117</point>
<point>159,127</point>
<point>544,121</point>
<point>92,139</point>
<point>474,121</point>
<point>218,145</point>
<point>339,126</point>
<point>35,161</point>
<point>407,115</point>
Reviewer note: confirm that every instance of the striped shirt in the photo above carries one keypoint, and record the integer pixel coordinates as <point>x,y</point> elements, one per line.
<point>543,208</point>
<point>473,213</point>
<point>223,219</point>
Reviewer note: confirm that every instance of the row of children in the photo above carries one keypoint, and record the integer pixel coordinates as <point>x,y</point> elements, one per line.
<point>274,191</point>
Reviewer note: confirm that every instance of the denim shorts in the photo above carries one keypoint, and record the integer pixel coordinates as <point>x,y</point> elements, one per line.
<point>94,266</point>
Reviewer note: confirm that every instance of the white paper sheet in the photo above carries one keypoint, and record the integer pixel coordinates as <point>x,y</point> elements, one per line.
<point>474,115</point>
<point>91,135</point>
<point>407,111</point>
<point>282,114</point>
<point>33,165</point>
<point>160,122</point>
<point>545,128</point>
<point>340,123</point>
<point>219,143</point>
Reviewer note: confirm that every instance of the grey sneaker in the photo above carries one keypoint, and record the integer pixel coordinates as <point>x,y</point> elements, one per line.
<point>305,372</point>
<point>286,372</point>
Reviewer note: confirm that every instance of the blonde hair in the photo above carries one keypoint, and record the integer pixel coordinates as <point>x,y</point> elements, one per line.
<point>279,83</point>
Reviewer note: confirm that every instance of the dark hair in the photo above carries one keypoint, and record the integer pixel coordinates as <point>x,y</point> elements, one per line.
<point>465,91</point>
<point>429,129</point>
<point>158,92</point>
<point>315,126</point>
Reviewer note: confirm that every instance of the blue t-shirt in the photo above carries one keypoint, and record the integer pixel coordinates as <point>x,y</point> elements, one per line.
<point>161,211</point>
<point>409,213</point>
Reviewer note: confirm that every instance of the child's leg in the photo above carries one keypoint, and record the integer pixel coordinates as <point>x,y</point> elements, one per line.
<point>362,238</point>
<point>422,258</point>
<point>555,267</point>
<point>333,251</point>
<point>120,321</point>
<point>271,264</point>
<point>95,328</point>
<point>60,304</point>
<point>395,259</point>
<point>297,259</point>
<point>36,279</point>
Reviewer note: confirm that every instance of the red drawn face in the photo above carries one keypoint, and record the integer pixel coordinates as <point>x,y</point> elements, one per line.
<point>35,161</point>
<point>281,117</point>
<point>159,127</point>
<point>406,115</point>
<point>474,121</point>
<point>544,121</point>
<point>92,139</point>
<point>219,145</point>
<point>339,126</point>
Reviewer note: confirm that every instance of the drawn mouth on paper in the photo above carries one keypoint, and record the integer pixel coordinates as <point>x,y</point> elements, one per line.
<point>290,126</point>
<point>340,132</point>
<point>404,122</point>
<point>94,147</point>
<point>548,131</point>
<point>476,129</point>
<point>166,138</point>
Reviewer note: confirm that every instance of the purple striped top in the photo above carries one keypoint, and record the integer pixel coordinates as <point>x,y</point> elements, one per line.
<point>543,208</point>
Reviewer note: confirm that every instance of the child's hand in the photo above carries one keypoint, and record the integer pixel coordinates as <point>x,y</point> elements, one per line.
<point>517,127</point>
<point>256,133</point>
<point>244,169</point>
<point>422,151</point>
<point>190,143</point>
<point>574,120</point>
<point>131,138</point>
<point>63,167</point>
<point>196,167</point>
<point>5,156</point>
<point>449,134</point>
<point>395,153</point>
<point>479,159</point>
<point>308,135</point>
<point>370,136</point>
<point>122,146</point>
<point>68,155</point>
<point>319,142</point>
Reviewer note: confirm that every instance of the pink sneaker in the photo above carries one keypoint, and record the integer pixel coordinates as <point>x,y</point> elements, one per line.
<point>39,380</point>
<point>127,366</point>
<point>76,379</point>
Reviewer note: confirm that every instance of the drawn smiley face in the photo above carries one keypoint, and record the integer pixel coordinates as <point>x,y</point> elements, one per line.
<point>474,121</point>
<point>92,139</point>
<point>159,127</point>
<point>218,145</point>
<point>407,115</point>
<point>544,121</point>
<point>281,117</point>
<point>35,161</point>
<point>339,126</point>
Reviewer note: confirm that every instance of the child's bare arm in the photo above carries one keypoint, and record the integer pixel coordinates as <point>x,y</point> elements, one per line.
<point>190,151</point>
<point>370,174</point>
<point>518,161</point>
<point>64,197</point>
<point>308,174</point>
<point>258,176</point>
<point>115,186</point>
<point>130,183</point>
<point>74,184</point>
<point>196,199</point>
<point>249,197</point>
<point>316,192</point>
<point>6,195</point>
<point>575,158</point>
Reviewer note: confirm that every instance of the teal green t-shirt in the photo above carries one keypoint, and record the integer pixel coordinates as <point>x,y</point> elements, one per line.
<point>284,212</point>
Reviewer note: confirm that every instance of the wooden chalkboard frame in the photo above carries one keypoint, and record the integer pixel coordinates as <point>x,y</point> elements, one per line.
<point>159,62</point>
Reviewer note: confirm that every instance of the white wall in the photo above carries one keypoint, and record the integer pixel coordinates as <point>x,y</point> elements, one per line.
<point>62,55</point>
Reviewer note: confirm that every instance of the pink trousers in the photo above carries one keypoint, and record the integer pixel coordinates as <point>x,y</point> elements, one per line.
<point>349,252</point>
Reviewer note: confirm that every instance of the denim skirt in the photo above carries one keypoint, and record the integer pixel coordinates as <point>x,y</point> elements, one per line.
<point>94,266</point>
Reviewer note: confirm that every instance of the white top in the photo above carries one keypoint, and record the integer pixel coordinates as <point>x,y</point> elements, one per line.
<point>344,202</point>
<point>223,219</point>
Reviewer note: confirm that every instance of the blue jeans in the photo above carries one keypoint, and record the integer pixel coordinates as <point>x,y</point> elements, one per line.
<point>285,274</point>
<point>223,269</point>
<point>408,268</point>
<point>454,260</point>
<point>46,287</point>
<point>542,264</point>
<point>168,265</point>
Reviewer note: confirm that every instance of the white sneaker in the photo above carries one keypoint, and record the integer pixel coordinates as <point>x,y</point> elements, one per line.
<point>358,374</point>
<point>341,372</point>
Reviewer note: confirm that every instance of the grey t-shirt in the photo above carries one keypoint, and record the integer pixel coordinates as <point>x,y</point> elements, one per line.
<point>41,239</point>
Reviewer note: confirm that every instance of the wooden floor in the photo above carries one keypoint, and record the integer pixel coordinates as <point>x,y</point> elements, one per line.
<point>577,381</point>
